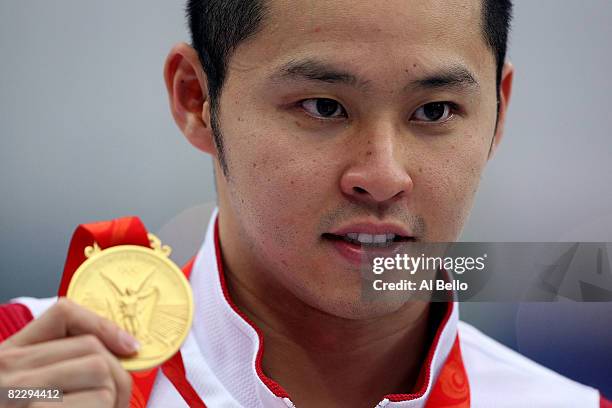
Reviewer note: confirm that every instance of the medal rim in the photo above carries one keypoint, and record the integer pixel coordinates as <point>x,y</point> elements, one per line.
<point>133,364</point>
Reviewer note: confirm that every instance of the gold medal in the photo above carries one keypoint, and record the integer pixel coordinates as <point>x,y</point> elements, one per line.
<point>143,292</point>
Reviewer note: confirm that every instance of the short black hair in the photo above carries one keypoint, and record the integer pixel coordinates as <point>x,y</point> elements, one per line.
<point>496,19</point>
<point>217,27</point>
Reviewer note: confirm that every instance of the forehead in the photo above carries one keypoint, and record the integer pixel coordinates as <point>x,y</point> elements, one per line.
<point>394,17</point>
<point>370,35</point>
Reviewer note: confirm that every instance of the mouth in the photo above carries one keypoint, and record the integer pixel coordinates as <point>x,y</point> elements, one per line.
<point>358,242</point>
<point>358,248</point>
<point>365,240</point>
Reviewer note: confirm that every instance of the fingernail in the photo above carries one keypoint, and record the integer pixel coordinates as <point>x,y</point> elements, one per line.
<point>128,342</point>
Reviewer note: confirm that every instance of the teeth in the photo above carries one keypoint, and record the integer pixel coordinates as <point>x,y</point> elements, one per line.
<point>370,238</point>
<point>380,239</point>
<point>365,238</point>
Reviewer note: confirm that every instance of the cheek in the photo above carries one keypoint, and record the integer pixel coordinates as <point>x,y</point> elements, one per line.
<point>447,187</point>
<point>277,184</point>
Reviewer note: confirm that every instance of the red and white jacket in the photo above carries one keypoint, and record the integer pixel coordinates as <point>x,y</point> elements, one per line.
<point>219,364</point>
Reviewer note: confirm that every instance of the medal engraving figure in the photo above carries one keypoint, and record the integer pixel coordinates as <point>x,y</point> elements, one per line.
<point>143,292</point>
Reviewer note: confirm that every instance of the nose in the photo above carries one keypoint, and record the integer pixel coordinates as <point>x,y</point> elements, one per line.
<point>377,174</point>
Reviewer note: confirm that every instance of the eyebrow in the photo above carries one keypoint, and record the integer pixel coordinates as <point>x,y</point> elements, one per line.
<point>453,77</point>
<point>314,70</point>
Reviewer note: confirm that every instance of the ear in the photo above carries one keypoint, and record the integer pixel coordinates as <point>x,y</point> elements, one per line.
<point>505,92</point>
<point>187,88</point>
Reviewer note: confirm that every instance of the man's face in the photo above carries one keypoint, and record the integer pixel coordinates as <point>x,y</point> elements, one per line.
<point>352,116</point>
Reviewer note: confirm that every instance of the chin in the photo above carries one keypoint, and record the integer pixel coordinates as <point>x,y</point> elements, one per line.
<point>363,310</point>
<point>352,305</point>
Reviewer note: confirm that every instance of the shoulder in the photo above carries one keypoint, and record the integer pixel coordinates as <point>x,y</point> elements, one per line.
<point>19,312</point>
<point>497,373</point>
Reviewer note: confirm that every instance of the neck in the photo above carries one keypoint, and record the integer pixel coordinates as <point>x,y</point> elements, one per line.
<point>323,360</point>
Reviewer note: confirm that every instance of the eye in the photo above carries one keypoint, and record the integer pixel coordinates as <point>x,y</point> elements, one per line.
<point>434,112</point>
<point>323,108</point>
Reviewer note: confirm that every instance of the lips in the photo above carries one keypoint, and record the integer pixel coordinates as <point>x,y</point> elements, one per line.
<point>359,242</point>
<point>369,240</point>
<point>372,229</point>
<point>369,234</point>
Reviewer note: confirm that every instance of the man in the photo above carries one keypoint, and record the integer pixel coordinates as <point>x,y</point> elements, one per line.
<point>334,127</point>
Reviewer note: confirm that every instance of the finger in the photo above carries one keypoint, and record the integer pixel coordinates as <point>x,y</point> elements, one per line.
<point>78,374</point>
<point>55,351</point>
<point>66,318</point>
<point>122,379</point>
<point>96,398</point>
<point>43,354</point>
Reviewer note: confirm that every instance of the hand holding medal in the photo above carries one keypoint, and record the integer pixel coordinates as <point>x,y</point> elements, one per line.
<point>117,273</point>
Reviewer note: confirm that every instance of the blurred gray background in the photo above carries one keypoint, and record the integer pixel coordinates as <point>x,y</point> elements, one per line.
<point>86,135</point>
